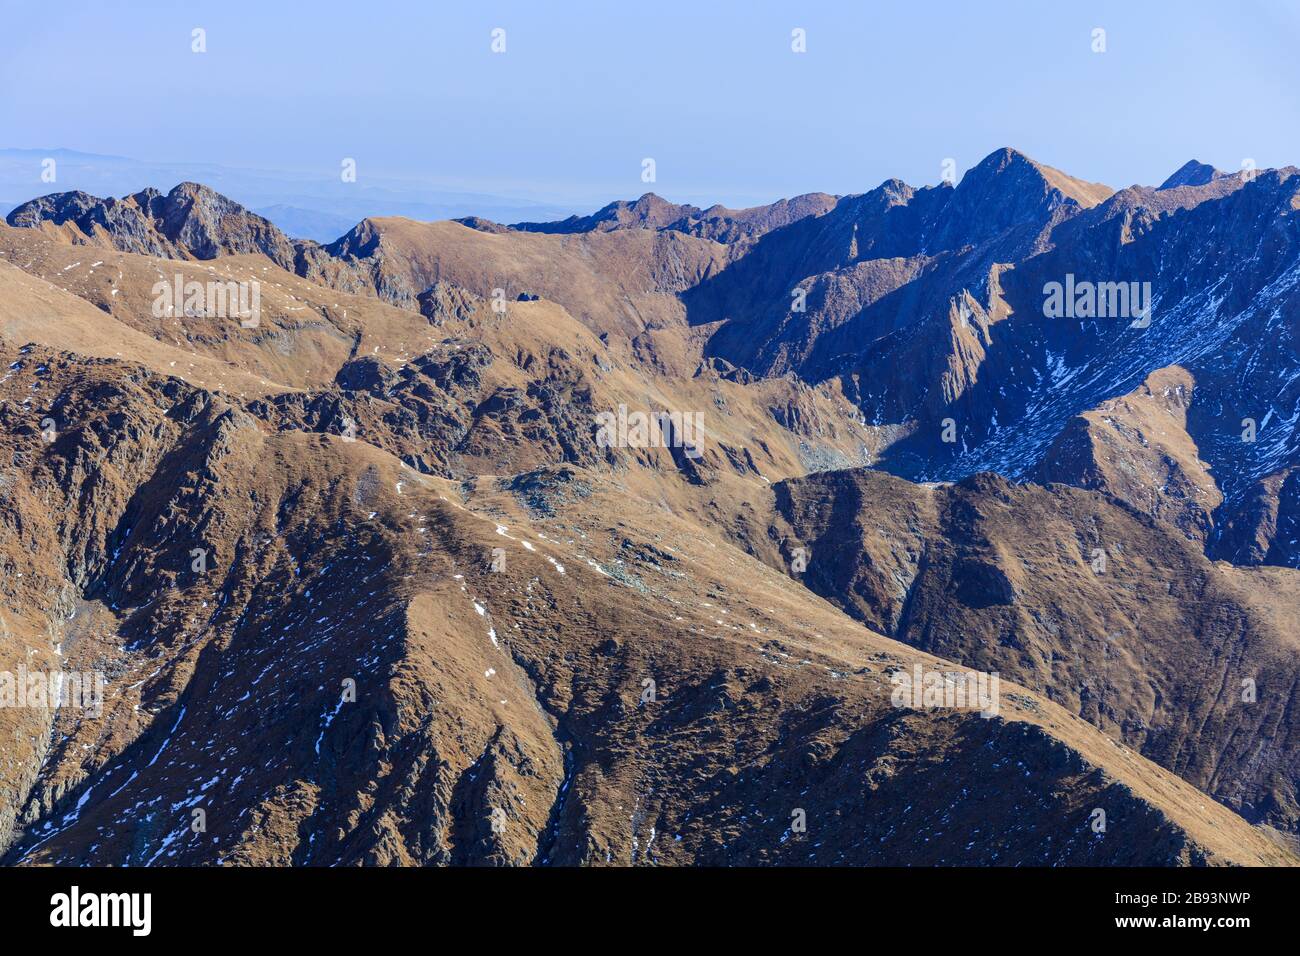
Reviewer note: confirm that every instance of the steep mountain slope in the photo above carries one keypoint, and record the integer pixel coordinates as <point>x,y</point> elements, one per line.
<point>347,680</point>
<point>1191,173</point>
<point>1118,617</point>
<point>929,309</point>
<point>34,310</point>
<point>852,262</point>
<point>1225,311</point>
<point>1136,448</point>
<point>1262,526</point>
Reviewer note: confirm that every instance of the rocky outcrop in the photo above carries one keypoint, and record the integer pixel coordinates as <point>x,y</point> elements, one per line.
<point>190,222</point>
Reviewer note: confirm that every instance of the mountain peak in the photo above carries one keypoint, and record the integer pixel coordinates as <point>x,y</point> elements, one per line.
<point>1191,173</point>
<point>650,211</point>
<point>56,208</point>
<point>1010,161</point>
<point>190,221</point>
<point>1004,156</point>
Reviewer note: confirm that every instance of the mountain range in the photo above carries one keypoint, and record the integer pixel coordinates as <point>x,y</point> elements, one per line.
<point>369,582</point>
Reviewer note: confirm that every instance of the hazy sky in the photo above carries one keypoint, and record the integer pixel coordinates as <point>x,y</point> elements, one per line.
<point>709,88</point>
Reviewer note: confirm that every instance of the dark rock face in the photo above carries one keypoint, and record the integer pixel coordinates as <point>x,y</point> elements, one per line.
<point>190,222</point>
<point>879,267</point>
<point>357,261</point>
<point>206,224</point>
<point>482,225</point>
<point>1263,525</point>
<point>123,222</point>
<point>1191,173</point>
<point>443,301</point>
<point>57,208</point>
<point>438,413</point>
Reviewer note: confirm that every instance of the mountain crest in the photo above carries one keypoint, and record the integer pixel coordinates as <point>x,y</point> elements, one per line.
<point>1022,172</point>
<point>192,221</point>
<point>1192,173</point>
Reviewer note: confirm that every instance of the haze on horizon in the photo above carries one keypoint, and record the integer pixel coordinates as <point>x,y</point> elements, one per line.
<point>724,106</point>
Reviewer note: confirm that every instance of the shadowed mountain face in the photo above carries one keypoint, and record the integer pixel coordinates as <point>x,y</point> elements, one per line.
<point>388,574</point>
<point>1191,173</point>
<point>1119,618</point>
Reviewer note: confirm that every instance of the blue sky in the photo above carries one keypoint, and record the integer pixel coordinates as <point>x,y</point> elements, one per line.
<point>710,89</point>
